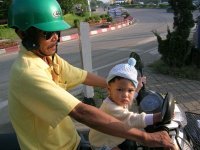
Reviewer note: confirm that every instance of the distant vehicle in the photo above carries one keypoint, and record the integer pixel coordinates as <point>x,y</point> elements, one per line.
<point>119,2</point>
<point>117,11</point>
<point>151,4</point>
<point>141,3</point>
<point>164,3</point>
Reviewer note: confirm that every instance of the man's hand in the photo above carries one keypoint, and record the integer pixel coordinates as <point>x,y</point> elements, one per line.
<point>159,139</point>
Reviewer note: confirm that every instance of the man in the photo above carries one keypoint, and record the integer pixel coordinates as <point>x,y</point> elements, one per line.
<point>40,108</point>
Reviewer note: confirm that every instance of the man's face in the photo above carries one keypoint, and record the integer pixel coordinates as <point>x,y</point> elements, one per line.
<point>48,42</point>
<point>121,91</point>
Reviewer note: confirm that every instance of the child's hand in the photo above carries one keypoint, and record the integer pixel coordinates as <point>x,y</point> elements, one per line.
<point>157,118</point>
<point>141,81</point>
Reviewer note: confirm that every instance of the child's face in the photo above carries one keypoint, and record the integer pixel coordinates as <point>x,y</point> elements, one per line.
<point>121,91</point>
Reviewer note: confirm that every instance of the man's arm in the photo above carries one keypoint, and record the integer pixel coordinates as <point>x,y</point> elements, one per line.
<point>105,123</point>
<point>94,80</point>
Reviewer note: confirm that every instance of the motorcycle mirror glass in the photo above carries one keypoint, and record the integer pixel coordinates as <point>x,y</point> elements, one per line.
<point>139,64</point>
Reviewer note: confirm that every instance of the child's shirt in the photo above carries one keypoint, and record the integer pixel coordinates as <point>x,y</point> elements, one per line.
<point>99,139</point>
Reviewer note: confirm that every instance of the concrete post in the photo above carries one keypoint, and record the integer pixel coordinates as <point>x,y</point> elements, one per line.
<point>89,8</point>
<point>86,55</point>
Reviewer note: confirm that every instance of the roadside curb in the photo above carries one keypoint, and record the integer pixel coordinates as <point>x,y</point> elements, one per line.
<point>9,49</point>
<point>76,35</point>
<point>95,32</point>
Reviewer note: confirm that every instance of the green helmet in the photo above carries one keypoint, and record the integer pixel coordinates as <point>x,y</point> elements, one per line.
<point>45,15</point>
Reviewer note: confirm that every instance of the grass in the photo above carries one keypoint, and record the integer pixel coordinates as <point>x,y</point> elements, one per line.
<point>7,33</point>
<point>188,72</point>
<point>99,95</point>
<point>69,18</point>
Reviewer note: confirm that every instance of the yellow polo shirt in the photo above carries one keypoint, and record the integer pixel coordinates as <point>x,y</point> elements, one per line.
<point>39,103</point>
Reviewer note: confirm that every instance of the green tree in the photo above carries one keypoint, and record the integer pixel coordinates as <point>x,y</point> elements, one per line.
<point>93,3</point>
<point>176,48</point>
<point>100,3</point>
<point>4,8</point>
<point>68,5</point>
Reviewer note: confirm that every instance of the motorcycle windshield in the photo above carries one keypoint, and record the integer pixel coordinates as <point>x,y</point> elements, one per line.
<point>179,116</point>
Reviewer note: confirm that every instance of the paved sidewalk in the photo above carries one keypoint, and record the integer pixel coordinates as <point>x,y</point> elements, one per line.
<point>186,92</point>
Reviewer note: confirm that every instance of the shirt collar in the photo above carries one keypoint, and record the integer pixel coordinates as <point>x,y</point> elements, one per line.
<point>37,60</point>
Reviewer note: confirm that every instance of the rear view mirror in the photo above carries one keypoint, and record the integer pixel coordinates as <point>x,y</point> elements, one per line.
<point>139,64</point>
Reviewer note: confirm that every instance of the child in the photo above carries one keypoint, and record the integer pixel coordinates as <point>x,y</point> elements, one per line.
<point>122,84</point>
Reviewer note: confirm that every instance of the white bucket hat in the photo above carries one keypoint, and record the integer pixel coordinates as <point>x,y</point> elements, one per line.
<point>127,71</point>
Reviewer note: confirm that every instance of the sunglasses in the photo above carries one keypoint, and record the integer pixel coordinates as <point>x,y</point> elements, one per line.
<point>48,35</point>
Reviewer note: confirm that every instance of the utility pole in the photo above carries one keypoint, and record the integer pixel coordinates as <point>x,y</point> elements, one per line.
<point>89,8</point>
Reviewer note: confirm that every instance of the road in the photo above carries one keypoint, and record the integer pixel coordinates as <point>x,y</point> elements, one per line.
<point>113,47</point>
<point>107,48</point>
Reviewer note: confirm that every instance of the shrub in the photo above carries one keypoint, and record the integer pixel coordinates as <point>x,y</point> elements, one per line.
<point>7,33</point>
<point>176,48</point>
<point>109,19</point>
<point>76,23</point>
<point>102,16</point>
<point>97,18</point>
<point>87,19</point>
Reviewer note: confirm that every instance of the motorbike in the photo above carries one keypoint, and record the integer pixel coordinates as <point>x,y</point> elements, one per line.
<point>173,117</point>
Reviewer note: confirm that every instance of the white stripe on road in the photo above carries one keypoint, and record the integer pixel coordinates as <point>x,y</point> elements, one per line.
<point>147,40</point>
<point>2,51</point>
<point>150,39</point>
<point>154,52</point>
